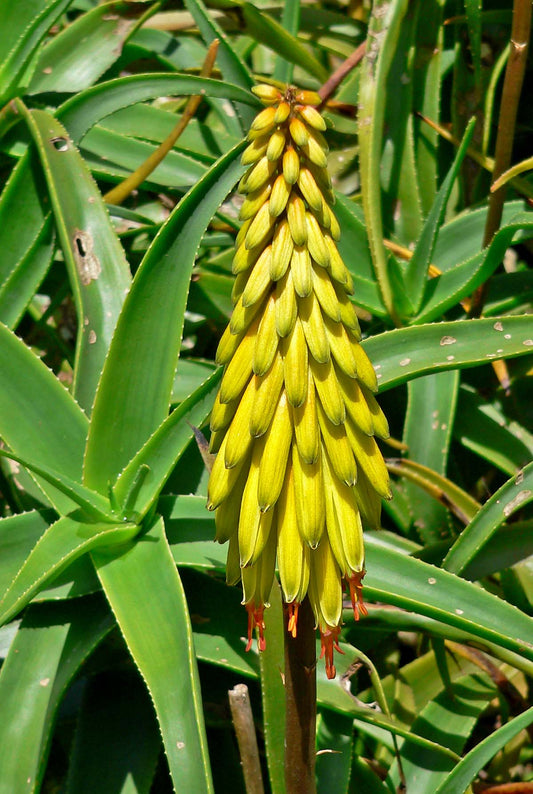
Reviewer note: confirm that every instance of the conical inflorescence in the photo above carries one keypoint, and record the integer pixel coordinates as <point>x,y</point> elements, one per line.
<point>297,466</point>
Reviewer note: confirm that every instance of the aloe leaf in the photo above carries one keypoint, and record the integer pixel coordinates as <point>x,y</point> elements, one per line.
<point>271,661</point>
<point>446,290</point>
<point>163,450</point>
<point>61,544</point>
<point>117,742</point>
<point>383,32</point>
<point>415,275</point>
<point>290,22</point>
<point>159,637</point>
<point>513,495</point>
<point>98,271</point>
<point>190,375</point>
<point>411,584</point>
<point>437,486</point>
<point>93,505</point>
<point>134,394</point>
<point>26,238</point>
<point>84,50</point>
<point>482,428</point>
<point>473,12</point>
<point>335,742</point>
<point>466,770</point>
<point>23,29</point>
<point>427,79</point>
<point>407,353</point>
<point>87,108</point>
<point>353,247</point>
<point>50,646</point>
<point>18,536</point>
<point>232,66</point>
<point>32,397</point>
<point>448,719</point>
<point>431,403</point>
<point>270,33</point>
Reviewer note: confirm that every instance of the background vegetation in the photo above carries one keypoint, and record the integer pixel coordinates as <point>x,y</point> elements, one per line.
<point>120,638</point>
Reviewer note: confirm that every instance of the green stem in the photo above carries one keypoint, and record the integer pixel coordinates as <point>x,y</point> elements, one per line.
<point>512,87</point>
<point>300,699</point>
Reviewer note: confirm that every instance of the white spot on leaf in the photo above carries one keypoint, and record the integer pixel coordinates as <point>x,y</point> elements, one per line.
<point>448,340</point>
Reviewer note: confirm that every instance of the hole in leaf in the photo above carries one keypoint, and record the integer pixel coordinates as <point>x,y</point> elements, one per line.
<point>61,144</point>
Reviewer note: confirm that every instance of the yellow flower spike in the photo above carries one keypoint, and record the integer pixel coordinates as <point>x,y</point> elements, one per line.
<point>282,248</point>
<point>244,259</point>
<point>222,482</point>
<point>278,441</point>
<point>306,424</point>
<point>325,581</point>
<point>291,165</point>
<point>315,240</point>
<point>338,447</point>
<point>275,146</point>
<point>295,365</point>
<point>310,190</point>
<point>297,465</point>
<point>268,94</point>
<point>309,498</point>
<point>286,308</point>
<point>369,458</point>
<point>260,227</point>
<point>325,293</point>
<point>327,387</point>
<point>314,329</point>
<point>279,197</point>
<point>267,341</point>
<point>302,277</point>
<point>255,151</point>
<point>311,117</point>
<point>314,152</point>
<point>365,371</point>
<point>239,370</point>
<point>380,426</point>
<point>254,525</point>
<point>299,132</point>
<point>233,562</point>
<point>267,392</point>
<point>282,113</point>
<point>244,317</point>
<point>259,280</point>
<point>296,219</point>
<point>341,347</point>
<point>356,405</point>
<point>227,514</point>
<point>222,414</point>
<point>238,438</point>
<point>253,203</point>
<point>308,97</point>
<point>264,121</point>
<point>293,553</point>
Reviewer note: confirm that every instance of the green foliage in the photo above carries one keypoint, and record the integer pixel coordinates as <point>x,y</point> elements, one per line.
<point>120,638</point>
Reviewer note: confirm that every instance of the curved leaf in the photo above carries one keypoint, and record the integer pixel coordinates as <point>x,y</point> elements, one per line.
<point>61,544</point>
<point>134,394</point>
<point>31,398</point>
<point>87,108</point>
<point>51,644</point>
<point>159,636</point>
<point>516,493</point>
<point>466,770</point>
<point>408,353</point>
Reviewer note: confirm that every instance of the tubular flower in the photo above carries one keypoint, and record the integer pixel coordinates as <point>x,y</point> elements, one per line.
<point>297,467</point>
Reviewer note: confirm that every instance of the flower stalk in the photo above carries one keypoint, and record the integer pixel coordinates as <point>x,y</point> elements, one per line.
<point>297,468</point>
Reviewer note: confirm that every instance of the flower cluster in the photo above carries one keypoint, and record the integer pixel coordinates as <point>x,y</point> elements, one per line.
<point>293,425</point>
